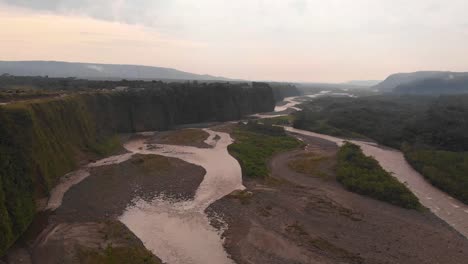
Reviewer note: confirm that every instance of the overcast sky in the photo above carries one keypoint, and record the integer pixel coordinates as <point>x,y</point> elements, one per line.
<point>289,40</point>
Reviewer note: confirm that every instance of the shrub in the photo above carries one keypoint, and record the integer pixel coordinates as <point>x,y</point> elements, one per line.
<point>363,175</point>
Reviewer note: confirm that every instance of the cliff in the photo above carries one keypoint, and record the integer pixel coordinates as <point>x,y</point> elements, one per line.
<point>283,90</point>
<point>41,139</point>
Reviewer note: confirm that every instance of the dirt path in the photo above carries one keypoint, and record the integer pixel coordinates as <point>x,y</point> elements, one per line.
<point>305,219</point>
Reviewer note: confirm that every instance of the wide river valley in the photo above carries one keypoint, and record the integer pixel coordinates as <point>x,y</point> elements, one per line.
<point>179,231</point>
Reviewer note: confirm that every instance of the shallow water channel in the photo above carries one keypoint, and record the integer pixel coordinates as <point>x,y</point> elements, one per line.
<point>452,211</point>
<point>176,231</point>
<point>447,208</point>
<point>180,231</point>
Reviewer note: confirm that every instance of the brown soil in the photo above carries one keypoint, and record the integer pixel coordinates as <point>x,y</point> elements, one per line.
<point>86,242</point>
<point>78,231</point>
<point>183,137</point>
<point>303,218</point>
<point>110,189</point>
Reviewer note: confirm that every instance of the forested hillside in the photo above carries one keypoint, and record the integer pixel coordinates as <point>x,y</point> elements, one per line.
<point>431,131</point>
<point>41,139</point>
<point>395,80</point>
<point>451,85</point>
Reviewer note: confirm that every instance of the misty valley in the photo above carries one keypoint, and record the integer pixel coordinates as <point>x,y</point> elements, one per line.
<point>234,132</point>
<point>130,171</point>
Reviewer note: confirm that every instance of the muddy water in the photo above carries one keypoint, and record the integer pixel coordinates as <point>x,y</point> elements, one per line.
<point>176,231</point>
<point>180,231</point>
<point>452,211</point>
<point>290,103</point>
<point>445,207</point>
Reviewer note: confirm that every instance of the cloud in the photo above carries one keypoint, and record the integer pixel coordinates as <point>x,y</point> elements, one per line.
<point>299,5</point>
<point>261,39</point>
<point>125,11</point>
<point>203,17</point>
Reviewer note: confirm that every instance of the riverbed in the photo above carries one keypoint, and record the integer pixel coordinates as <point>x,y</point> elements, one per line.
<point>447,208</point>
<point>176,230</point>
<point>180,231</point>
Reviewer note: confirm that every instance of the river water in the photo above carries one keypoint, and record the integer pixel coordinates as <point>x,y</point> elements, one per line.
<point>447,208</point>
<point>175,231</point>
<point>452,211</point>
<point>180,231</point>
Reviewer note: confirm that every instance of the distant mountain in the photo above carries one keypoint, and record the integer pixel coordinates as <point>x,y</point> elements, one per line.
<point>97,71</point>
<point>435,86</point>
<point>364,83</point>
<point>395,80</point>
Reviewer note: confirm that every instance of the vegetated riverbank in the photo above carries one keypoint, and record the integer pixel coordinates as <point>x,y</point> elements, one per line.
<point>84,229</point>
<point>41,140</point>
<point>431,131</point>
<point>255,144</point>
<point>180,231</point>
<point>362,174</point>
<point>297,217</point>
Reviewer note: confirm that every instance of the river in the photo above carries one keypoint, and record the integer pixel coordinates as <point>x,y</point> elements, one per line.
<point>176,231</point>
<point>447,208</point>
<point>452,211</point>
<point>180,231</point>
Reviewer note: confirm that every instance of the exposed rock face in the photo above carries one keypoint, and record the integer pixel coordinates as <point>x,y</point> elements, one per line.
<point>40,140</point>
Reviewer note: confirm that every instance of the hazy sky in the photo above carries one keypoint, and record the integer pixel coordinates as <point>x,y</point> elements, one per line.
<point>290,40</point>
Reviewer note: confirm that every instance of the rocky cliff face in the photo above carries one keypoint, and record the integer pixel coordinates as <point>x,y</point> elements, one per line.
<point>281,91</point>
<point>40,140</point>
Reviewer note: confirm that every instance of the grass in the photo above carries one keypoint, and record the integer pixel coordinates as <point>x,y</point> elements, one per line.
<point>309,163</point>
<point>186,137</point>
<point>362,174</point>
<point>279,120</point>
<point>255,144</point>
<point>107,146</point>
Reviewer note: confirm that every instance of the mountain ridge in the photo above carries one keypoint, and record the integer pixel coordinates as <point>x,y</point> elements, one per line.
<point>397,79</point>
<point>99,71</point>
